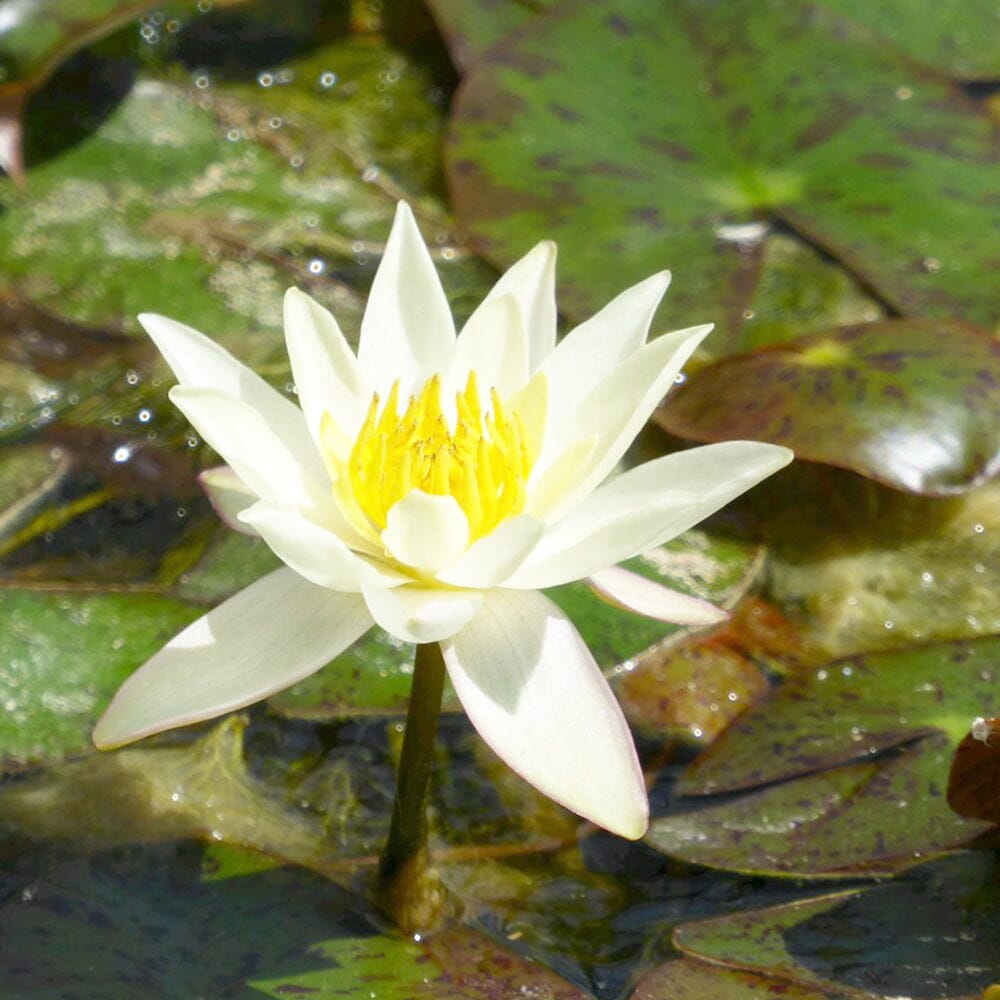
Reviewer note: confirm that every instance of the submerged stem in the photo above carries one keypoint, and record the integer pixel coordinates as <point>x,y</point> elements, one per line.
<point>406,887</point>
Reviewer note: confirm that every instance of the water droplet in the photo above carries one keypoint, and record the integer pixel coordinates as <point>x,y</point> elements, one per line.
<point>316,266</point>
<point>145,415</point>
<point>904,93</point>
<point>328,79</point>
<point>265,79</point>
<point>978,528</point>
<point>121,454</point>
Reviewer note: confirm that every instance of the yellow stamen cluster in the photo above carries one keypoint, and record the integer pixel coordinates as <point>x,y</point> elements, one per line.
<point>483,462</point>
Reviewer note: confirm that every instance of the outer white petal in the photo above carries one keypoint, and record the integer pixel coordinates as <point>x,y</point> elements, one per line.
<point>228,496</point>
<point>426,531</point>
<point>538,698</point>
<point>490,560</point>
<point>633,592</point>
<point>258,455</point>
<point>200,363</point>
<point>313,551</point>
<point>407,331</point>
<point>589,352</point>
<point>646,506</point>
<point>494,345</point>
<point>326,372</point>
<point>422,614</point>
<point>532,282</point>
<point>617,407</point>
<point>263,639</point>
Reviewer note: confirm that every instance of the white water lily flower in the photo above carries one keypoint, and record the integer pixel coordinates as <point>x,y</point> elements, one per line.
<point>432,484</point>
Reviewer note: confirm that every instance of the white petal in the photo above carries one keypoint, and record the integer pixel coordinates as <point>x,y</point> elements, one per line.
<point>229,496</point>
<point>617,407</point>
<point>258,455</point>
<point>535,694</point>
<point>422,614</point>
<point>491,559</point>
<point>494,345</point>
<point>589,352</point>
<point>313,551</point>
<point>645,507</point>
<point>263,639</point>
<point>407,331</point>
<point>628,590</point>
<point>426,531</point>
<point>200,363</point>
<point>326,372</point>
<point>532,282</point>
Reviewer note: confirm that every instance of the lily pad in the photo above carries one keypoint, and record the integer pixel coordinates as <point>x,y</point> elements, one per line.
<point>910,403</point>
<point>708,125</point>
<point>843,769</point>
<point>685,979</point>
<point>974,781</point>
<point>471,27</point>
<point>154,920</point>
<point>62,656</point>
<point>862,942</point>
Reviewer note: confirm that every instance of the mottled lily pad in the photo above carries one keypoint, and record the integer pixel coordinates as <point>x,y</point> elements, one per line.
<point>557,131</point>
<point>160,921</point>
<point>862,942</point>
<point>843,770</point>
<point>62,656</point>
<point>910,403</point>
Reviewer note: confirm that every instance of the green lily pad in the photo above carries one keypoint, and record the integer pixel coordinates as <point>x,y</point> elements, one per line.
<point>62,656</point>
<point>957,41</point>
<point>472,27</point>
<point>911,403</point>
<point>155,920</point>
<point>707,125</point>
<point>843,770</point>
<point>931,934</point>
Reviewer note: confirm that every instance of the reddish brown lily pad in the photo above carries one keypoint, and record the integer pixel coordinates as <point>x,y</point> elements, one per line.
<point>974,781</point>
<point>914,404</point>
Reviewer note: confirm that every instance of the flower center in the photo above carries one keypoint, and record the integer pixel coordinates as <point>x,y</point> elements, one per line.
<point>483,462</point>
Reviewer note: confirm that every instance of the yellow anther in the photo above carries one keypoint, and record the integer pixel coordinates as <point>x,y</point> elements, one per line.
<point>482,462</point>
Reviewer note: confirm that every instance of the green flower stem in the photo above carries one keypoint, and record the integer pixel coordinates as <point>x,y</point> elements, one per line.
<point>406,887</point>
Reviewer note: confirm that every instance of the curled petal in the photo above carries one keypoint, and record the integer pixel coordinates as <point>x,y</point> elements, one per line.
<point>229,496</point>
<point>535,694</point>
<point>628,590</point>
<point>263,639</point>
<point>421,614</point>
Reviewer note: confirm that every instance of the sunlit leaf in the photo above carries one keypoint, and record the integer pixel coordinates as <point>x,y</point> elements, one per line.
<point>642,136</point>
<point>912,403</point>
<point>842,770</point>
<point>929,934</point>
<point>62,656</point>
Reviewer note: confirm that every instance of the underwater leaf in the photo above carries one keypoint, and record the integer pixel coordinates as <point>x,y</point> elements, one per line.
<point>911,403</point>
<point>661,135</point>
<point>693,686</point>
<point>843,769</point>
<point>974,781</point>
<point>686,979</point>
<point>62,656</point>
<point>163,921</point>
<point>930,933</point>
